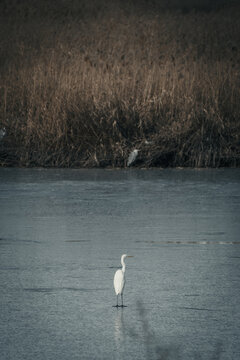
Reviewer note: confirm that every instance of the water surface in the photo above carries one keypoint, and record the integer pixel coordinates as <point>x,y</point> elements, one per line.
<point>62,233</point>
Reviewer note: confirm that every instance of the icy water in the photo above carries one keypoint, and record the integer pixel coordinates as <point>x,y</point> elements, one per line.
<point>62,233</point>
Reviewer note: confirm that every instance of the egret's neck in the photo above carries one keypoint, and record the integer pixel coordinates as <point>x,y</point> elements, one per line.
<point>123,265</point>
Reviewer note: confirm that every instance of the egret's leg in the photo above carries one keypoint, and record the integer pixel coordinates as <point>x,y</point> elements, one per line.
<point>122,299</point>
<point>117,301</point>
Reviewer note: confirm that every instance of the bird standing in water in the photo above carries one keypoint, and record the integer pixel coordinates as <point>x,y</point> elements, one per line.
<point>119,280</point>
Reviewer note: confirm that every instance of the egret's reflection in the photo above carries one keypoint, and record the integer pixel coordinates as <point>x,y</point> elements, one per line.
<point>119,329</point>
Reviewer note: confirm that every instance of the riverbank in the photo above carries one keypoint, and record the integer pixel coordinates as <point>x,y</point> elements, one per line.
<point>83,85</point>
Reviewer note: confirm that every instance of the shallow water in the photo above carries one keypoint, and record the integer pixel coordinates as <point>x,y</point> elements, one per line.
<point>62,233</point>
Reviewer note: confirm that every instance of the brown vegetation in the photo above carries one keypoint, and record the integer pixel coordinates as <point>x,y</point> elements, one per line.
<point>82,85</point>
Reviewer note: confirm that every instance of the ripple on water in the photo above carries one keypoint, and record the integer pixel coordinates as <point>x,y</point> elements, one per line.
<point>51,290</point>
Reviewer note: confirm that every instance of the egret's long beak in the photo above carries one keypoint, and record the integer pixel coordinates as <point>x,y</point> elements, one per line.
<point>130,256</point>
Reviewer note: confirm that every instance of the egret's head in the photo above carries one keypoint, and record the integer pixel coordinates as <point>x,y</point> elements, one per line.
<point>126,256</point>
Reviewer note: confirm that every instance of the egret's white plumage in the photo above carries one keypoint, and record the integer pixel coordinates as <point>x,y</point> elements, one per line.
<point>119,282</point>
<point>119,279</point>
<point>2,133</point>
<point>132,157</point>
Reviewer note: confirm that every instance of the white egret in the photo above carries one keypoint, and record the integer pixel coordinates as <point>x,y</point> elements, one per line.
<point>2,133</point>
<point>119,279</point>
<point>132,157</point>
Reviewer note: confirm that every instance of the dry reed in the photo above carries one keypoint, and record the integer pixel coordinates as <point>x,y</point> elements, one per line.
<point>81,86</point>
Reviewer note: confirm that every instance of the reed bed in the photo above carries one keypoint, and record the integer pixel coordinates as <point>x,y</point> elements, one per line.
<point>82,86</point>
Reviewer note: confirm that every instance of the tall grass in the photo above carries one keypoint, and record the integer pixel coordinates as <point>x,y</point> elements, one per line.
<point>82,85</point>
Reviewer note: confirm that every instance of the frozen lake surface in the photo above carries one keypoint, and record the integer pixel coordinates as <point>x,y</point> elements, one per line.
<point>62,233</point>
